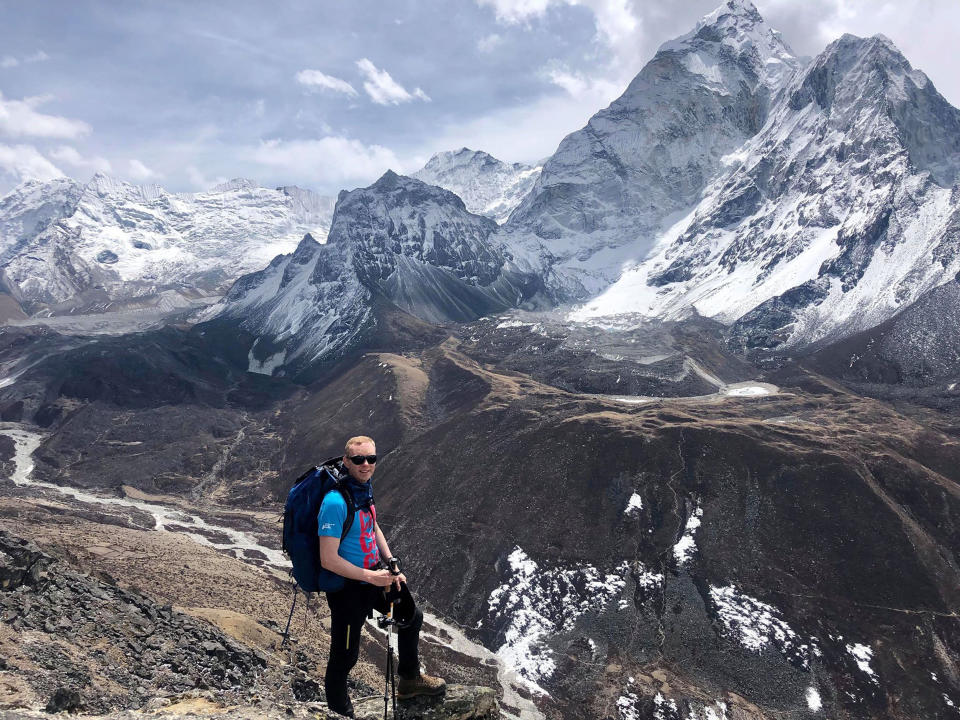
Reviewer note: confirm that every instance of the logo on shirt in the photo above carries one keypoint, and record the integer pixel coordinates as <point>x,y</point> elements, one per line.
<point>327,526</point>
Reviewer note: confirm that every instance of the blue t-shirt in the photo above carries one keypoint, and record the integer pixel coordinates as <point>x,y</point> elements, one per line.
<point>359,546</point>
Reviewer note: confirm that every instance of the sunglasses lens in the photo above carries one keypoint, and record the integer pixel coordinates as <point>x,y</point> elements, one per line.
<point>361,459</point>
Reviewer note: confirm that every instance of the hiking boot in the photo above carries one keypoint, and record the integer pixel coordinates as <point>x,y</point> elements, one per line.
<point>409,687</point>
<point>340,703</point>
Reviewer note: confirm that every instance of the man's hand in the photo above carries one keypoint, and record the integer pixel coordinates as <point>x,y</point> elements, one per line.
<point>380,578</point>
<point>397,579</point>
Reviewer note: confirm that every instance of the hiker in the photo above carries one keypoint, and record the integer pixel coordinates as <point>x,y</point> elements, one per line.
<point>363,558</point>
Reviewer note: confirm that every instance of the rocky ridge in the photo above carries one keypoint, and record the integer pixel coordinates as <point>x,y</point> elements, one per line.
<point>399,244</point>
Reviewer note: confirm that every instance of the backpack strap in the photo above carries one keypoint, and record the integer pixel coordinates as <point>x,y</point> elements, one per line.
<point>351,511</point>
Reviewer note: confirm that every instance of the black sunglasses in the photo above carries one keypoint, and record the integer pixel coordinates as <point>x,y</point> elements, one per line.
<point>361,459</point>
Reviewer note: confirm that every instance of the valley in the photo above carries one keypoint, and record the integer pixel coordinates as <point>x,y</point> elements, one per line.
<point>668,423</point>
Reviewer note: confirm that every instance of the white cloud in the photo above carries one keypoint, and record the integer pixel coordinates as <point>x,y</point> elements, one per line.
<point>138,171</point>
<point>9,61</point>
<point>70,156</point>
<point>518,11</point>
<point>38,56</point>
<point>201,181</point>
<point>524,133</point>
<point>383,89</point>
<point>317,79</point>
<point>617,22</point>
<point>328,161</point>
<point>20,118</point>
<point>596,90</point>
<point>489,43</point>
<point>619,35</point>
<point>25,162</point>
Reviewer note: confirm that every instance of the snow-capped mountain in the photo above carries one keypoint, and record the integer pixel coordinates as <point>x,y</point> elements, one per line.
<point>611,188</point>
<point>486,185</point>
<point>29,208</point>
<point>109,244</point>
<point>400,240</point>
<point>842,211</point>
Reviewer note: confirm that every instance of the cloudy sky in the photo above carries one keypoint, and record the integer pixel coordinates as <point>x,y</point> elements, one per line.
<point>328,94</point>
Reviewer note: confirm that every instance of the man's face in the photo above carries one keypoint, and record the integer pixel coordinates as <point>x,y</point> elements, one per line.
<point>364,471</point>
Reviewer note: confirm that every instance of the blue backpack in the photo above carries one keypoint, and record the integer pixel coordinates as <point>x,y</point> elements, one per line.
<point>300,540</point>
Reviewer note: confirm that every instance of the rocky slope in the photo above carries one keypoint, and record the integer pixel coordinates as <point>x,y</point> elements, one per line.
<point>486,185</point>
<point>78,642</point>
<point>108,245</point>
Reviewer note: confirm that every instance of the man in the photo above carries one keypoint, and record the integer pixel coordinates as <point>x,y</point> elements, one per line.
<point>358,559</point>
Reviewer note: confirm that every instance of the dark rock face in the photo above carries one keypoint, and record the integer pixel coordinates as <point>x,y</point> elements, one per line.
<point>456,243</point>
<point>418,245</point>
<point>919,348</point>
<point>770,324</point>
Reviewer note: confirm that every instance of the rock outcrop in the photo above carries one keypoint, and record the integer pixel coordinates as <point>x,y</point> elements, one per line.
<point>460,702</point>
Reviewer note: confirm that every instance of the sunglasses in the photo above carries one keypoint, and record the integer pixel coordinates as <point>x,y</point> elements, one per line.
<point>361,459</point>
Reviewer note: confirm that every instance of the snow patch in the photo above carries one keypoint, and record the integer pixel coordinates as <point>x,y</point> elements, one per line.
<point>741,390</point>
<point>627,706</point>
<point>813,699</point>
<point>634,505</point>
<point>757,625</point>
<point>664,709</point>
<point>685,547</point>
<point>268,365</point>
<point>862,654</point>
<point>532,604</point>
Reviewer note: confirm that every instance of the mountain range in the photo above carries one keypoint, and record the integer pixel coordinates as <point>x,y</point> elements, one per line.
<point>668,423</point>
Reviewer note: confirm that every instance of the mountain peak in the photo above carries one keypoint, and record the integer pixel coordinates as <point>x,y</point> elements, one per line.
<point>102,184</point>
<point>738,26</point>
<point>235,184</point>
<point>859,69</point>
<point>388,180</point>
<point>733,11</point>
<point>486,185</point>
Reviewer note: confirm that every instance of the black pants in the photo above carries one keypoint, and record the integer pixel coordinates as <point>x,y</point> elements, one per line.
<point>349,608</point>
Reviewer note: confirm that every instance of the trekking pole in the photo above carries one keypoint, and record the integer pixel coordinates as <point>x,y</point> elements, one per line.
<point>393,674</point>
<point>286,632</point>
<point>386,622</point>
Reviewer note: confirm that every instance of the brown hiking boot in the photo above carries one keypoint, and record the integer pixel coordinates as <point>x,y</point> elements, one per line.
<point>409,687</point>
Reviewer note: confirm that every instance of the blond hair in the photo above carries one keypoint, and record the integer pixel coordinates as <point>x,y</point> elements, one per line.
<point>357,441</point>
